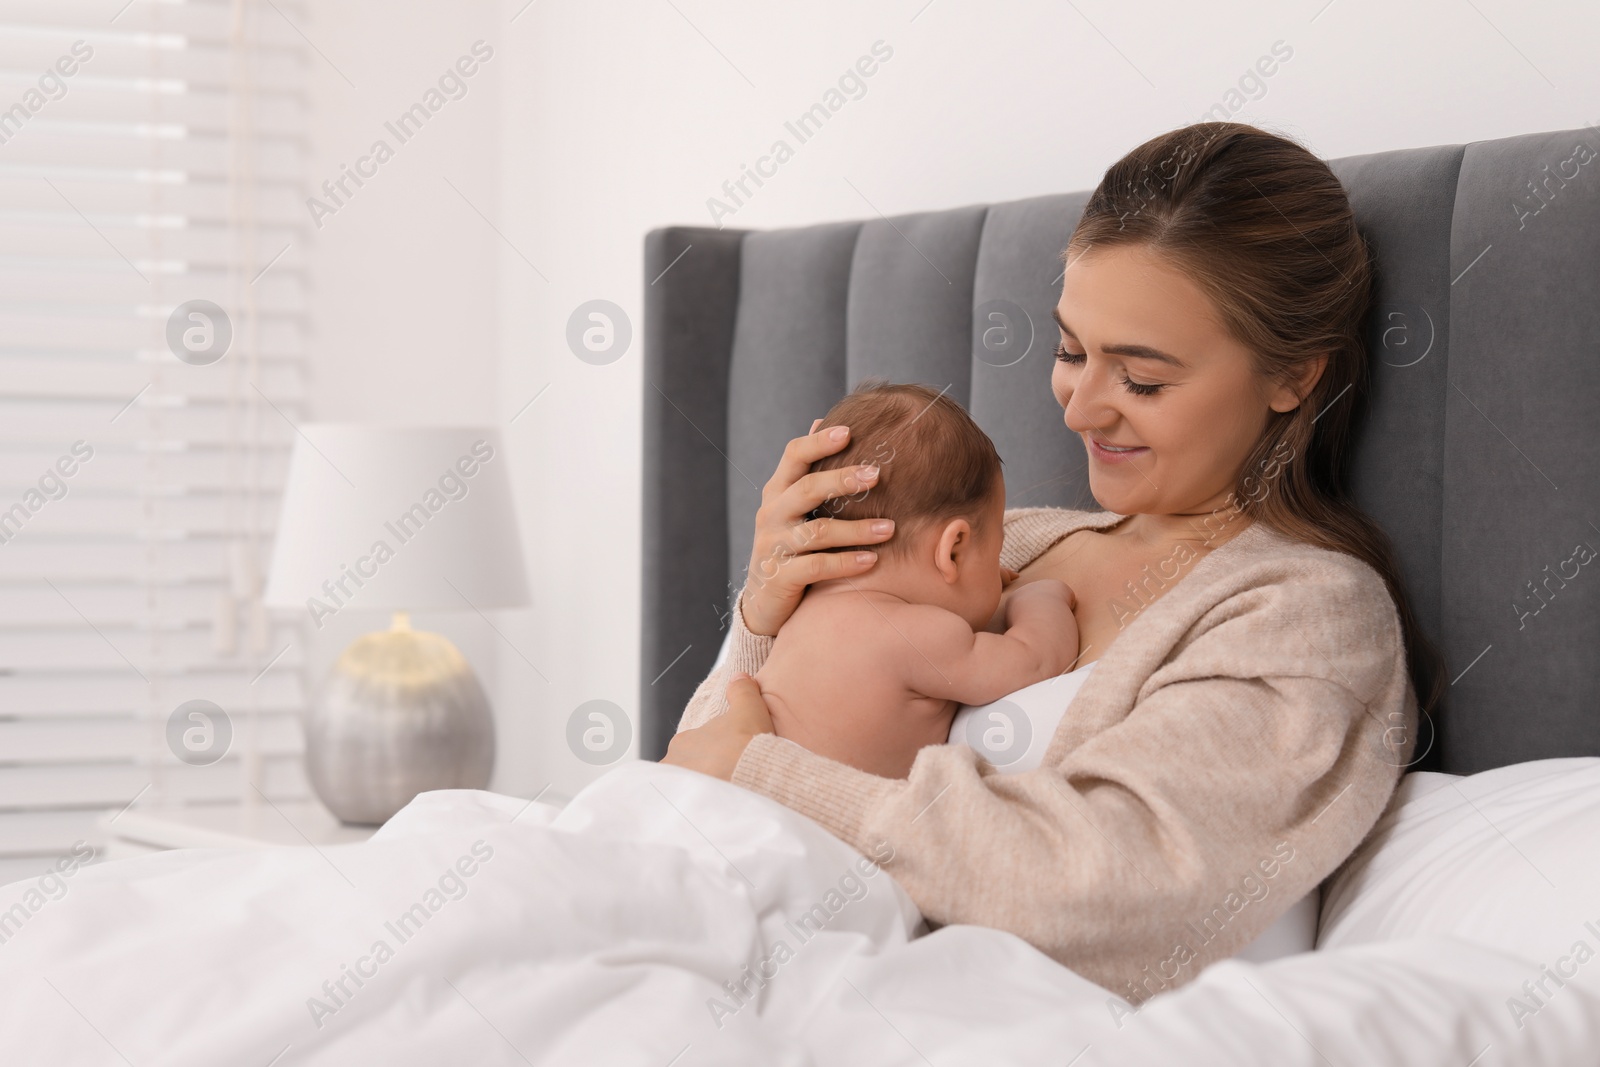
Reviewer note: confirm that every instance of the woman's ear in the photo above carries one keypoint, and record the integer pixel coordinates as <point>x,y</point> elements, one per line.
<point>954,541</point>
<point>1291,394</point>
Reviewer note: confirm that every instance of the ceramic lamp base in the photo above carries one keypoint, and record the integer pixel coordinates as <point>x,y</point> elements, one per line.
<point>401,712</point>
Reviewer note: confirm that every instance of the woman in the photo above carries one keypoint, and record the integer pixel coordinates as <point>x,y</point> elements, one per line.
<point>1252,702</point>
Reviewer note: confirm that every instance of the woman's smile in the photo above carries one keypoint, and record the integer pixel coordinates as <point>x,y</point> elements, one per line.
<point>1108,453</point>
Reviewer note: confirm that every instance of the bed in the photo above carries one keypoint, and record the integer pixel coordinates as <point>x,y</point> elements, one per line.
<point>665,918</point>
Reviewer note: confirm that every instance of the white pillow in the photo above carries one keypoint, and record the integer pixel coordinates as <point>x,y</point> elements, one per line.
<point>1295,931</point>
<point>1507,858</point>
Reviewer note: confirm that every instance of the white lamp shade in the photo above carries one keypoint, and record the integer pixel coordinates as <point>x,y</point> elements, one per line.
<point>397,518</point>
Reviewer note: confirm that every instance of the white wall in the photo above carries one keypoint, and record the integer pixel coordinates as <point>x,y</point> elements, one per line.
<point>617,117</point>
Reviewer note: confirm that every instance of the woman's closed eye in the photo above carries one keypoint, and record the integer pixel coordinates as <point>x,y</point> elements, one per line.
<point>1137,388</point>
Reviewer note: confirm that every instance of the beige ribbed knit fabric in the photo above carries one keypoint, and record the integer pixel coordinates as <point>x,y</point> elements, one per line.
<point>1225,755</point>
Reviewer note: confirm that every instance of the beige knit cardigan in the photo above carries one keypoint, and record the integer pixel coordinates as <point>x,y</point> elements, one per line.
<point>1234,744</point>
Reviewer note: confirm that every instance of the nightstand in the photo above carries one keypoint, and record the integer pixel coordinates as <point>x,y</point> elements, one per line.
<point>156,827</point>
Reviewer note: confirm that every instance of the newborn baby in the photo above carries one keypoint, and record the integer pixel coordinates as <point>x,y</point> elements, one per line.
<point>868,670</point>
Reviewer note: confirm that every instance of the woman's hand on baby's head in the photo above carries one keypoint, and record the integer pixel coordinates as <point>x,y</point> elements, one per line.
<point>786,555</point>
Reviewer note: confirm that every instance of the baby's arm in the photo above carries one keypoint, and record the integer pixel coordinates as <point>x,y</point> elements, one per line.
<point>949,660</point>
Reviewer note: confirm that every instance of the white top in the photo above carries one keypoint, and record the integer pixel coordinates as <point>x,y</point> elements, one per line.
<point>1013,732</point>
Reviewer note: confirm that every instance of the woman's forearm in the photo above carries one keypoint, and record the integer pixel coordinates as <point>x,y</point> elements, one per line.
<point>746,652</point>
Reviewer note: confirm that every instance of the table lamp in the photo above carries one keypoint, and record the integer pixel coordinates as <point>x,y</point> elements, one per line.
<point>399,519</point>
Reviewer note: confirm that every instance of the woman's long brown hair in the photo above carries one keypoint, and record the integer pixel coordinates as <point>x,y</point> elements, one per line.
<point>1266,230</point>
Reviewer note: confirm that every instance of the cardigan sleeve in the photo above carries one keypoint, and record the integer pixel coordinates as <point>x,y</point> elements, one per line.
<point>746,652</point>
<point>1158,844</point>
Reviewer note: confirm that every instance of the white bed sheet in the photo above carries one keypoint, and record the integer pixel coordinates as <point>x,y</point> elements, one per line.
<point>601,933</point>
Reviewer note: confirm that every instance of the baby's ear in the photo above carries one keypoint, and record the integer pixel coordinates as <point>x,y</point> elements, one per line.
<point>950,551</point>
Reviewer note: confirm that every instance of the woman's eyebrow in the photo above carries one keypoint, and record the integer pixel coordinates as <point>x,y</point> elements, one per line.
<point>1136,351</point>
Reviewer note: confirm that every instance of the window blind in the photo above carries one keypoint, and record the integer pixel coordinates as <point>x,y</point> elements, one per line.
<point>149,157</point>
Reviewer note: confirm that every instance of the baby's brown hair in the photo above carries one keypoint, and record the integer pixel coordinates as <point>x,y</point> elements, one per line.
<point>934,463</point>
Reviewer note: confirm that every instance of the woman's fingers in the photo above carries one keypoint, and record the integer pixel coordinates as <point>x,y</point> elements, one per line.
<point>813,489</point>
<point>784,557</point>
<point>839,533</point>
<point>786,571</point>
<point>747,708</point>
<point>800,571</point>
<point>798,456</point>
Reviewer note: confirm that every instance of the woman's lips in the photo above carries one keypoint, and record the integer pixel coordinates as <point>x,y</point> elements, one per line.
<point>1114,455</point>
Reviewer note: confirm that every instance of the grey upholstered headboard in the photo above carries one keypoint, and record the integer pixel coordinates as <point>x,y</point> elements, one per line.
<point>1479,454</point>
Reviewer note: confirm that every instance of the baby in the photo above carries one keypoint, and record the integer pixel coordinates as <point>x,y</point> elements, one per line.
<point>868,670</point>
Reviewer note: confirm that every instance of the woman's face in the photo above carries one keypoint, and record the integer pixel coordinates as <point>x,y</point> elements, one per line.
<point>1148,367</point>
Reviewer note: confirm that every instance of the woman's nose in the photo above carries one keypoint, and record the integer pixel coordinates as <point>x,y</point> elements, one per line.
<point>1085,403</point>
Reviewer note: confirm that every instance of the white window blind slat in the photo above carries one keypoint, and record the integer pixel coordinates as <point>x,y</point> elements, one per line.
<point>204,424</point>
<point>126,375</point>
<point>44,741</point>
<point>23,559</point>
<point>150,646</point>
<point>43,694</point>
<point>197,69</point>
<point>135,249</point>
<point>38,605</point>
<point>26,193</point>
<point>169,169</point>
<point>28,834</point>
<point>49,144</point>
<point>124,104</point>
<point>111,785</point>
<point>36,294</point>
<point>109,519</point>
<point>210,20</point>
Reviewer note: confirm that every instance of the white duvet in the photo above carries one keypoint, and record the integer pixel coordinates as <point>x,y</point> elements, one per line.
<point>666,919</point>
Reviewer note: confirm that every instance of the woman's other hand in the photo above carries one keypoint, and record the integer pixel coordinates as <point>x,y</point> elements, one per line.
<point>785,556</point>
<point>715,748</point>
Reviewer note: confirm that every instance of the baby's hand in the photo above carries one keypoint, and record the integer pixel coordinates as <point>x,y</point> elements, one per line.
<point>1040,640</point>
<point>1039,614</point>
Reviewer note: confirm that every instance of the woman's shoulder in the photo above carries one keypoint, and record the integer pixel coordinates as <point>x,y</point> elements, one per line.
<point>1330,598</point>
<point>1266,556</point>
<point>1267,604</point>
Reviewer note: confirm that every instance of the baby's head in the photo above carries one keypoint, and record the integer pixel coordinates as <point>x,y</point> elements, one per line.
<point>939,480</point>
